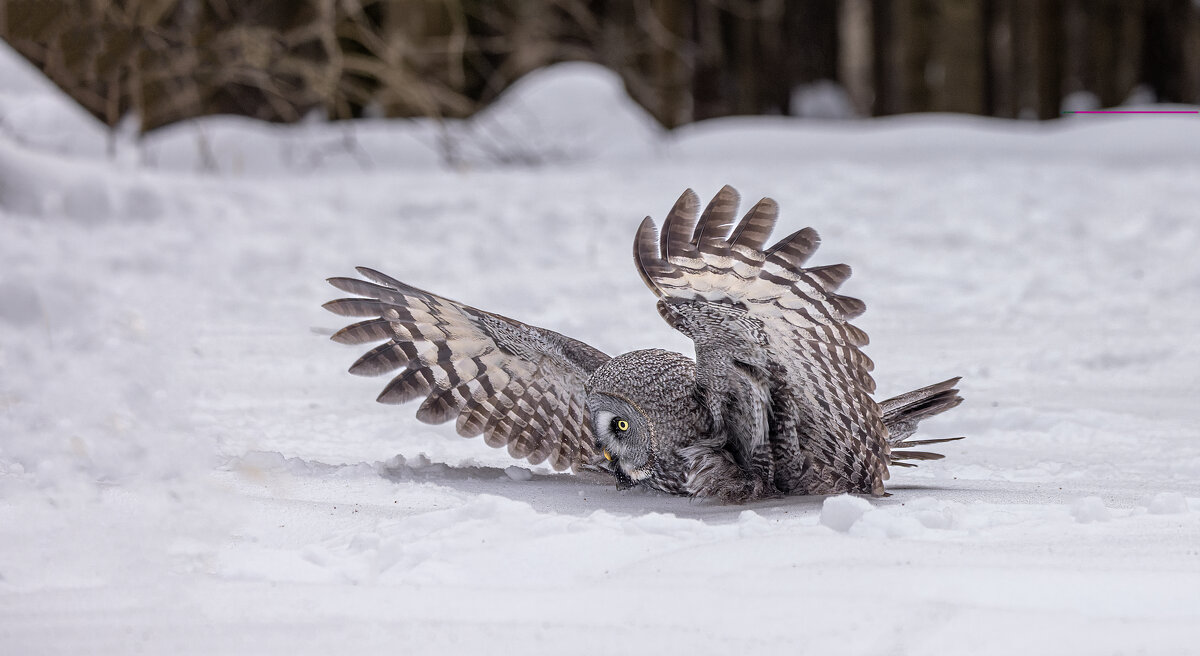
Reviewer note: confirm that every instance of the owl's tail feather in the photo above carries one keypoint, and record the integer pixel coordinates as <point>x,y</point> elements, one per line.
<point>901,414</point>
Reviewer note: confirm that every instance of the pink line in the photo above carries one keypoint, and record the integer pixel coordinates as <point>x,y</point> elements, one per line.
<point>1135,112</point>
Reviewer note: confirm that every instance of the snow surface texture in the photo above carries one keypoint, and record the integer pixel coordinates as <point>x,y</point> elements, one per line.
<point>185,466</point>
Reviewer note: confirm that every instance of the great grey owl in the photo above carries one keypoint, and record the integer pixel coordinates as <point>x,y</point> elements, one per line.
<point>777,401</point>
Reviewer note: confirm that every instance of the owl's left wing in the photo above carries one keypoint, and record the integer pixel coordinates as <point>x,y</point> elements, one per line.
<point>776,356</point>
<point>519,385</point>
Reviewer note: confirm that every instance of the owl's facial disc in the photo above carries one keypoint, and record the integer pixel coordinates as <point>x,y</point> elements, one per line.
<point>622,434</point>
<point>617,428</point>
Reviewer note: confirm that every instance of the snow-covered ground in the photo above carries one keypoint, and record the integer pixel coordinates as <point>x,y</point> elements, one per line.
<point>185,466</point>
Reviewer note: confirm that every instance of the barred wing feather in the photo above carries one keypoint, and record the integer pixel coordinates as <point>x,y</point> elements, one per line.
<point>518,385</point>
<point>777,359</point>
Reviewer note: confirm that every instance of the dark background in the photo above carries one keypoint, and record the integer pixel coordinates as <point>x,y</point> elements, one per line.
<point>167,60</point>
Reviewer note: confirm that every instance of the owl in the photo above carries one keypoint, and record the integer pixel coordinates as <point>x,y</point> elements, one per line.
<point>776,402</point>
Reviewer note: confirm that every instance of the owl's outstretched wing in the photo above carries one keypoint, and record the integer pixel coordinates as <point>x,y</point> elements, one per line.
<point>777,359</point>
<point>519,385</point>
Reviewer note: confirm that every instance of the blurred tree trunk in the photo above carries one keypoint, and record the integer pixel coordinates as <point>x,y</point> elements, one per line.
<point>807,42</point>
<point>670,28</point>
<point>914,24</point>
<point>743,55</point>
<point>1037,58</point>
<point>882,56</point>
<point>998,57</point>
<point>709,98</point>
<point>1048,27</point>
<point>1165,65</point>
<point>959,74</point>
<point>1114,50</point>
<point>1075,45</point>
<point>1193,56</point>
<point>855,56</point>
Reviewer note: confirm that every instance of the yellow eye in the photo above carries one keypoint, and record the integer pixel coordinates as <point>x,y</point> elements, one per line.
<point>620,425</point>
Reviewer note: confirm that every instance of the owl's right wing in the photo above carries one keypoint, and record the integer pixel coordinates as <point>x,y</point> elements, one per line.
<point>519,385</point>
<point>775,352</point>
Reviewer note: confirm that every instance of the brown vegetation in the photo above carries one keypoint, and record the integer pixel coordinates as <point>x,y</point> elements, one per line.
<point>167,60</point>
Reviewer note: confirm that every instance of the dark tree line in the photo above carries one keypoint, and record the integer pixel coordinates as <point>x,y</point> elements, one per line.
<point>167,60</point>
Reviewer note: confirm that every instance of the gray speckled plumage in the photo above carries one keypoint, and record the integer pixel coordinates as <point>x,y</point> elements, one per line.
<point>778,400</point>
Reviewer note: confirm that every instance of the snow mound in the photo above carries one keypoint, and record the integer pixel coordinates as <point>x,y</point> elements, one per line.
<point>567,112</point>
<point>237,146</point>
<point>1090,509</point>
<point>841,512</point>
<point>34,183</point>
<point>518,473</point>
<point>37,114</point>
<point>823,99</point>
<point>1168,503</point>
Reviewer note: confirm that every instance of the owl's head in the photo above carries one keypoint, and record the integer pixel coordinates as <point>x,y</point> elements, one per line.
<point>641,408</point>
<point>625,436</point>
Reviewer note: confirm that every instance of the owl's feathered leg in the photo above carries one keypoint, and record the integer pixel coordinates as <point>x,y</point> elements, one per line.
<point>713,472</point>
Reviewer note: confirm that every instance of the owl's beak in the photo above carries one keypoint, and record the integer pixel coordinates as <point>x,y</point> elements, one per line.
<point>623,480</point>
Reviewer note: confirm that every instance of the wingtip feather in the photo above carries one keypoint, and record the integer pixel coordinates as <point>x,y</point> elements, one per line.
<point>650,264</point>
<point>679,224</point>
<point>756,226</point>
<point>793,251</point>
<point>717,219</point>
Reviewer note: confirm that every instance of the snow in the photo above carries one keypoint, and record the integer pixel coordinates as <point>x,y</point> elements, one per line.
<point>842,511</point>
<point>1090,509</point>
<point>823,99</point>
<point>1168,503</point>
<point>569,112</point>
<point>518,473</point>
<point>185,466</point>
